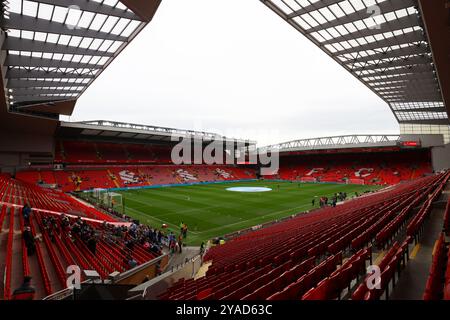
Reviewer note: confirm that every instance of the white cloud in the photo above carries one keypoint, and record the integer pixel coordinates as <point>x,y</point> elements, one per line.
<point>232,66</point>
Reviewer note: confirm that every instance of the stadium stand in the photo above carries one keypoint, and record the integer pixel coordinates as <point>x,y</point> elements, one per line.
<point>279,262</point>
<point>364,168</point>
<point>62,238</point>
<point>87,178</point>
<point>89,152</point>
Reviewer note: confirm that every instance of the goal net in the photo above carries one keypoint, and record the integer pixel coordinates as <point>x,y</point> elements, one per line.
<point>113,200</point>
<point>355,181</point>
<point>105,199</point>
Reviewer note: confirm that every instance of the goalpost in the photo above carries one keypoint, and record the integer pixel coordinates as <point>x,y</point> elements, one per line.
<point>355,181</point>
<point>108,199</point>
<point>114,201</point>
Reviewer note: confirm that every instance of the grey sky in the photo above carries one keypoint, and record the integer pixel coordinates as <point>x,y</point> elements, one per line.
<point>232,67</point>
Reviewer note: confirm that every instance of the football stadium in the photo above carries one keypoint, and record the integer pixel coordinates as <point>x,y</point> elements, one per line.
<point>112,210</point>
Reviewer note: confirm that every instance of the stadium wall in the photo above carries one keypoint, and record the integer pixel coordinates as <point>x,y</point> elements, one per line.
<point>440,152</point>
<point>150,290</point>
<point>440,157</point>
<point>18,149</point>
<point>426,140</point>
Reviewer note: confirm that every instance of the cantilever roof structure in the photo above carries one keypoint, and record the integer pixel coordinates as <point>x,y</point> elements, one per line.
<point>139,132</point>
<point>383,43</point>
<point>335,142</point>
<point>54,49</point>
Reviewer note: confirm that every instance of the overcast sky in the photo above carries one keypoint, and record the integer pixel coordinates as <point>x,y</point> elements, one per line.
<point>232,67</point>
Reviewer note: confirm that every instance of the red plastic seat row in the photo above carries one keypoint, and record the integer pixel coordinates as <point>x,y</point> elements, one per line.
<point>332,286</point>
<point>9,253</point>
<point>434,289</point>
<point>447,218</point>
<point>388,266</point>
<point>47,285</point>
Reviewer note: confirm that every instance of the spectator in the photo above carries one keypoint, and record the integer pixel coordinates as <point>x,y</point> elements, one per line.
<point>26,213</point>
<point>202,248</point>
<point>172,245</point>
<point>181,227</point>
<point>180,242</point>
<point>185,229</point>
<point>92,245</point>
<point>25,291</point>
<point>131,262</point>
<point>29,241</point>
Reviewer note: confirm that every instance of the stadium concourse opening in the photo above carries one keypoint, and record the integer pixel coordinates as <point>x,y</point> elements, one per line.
<point>100,210</point>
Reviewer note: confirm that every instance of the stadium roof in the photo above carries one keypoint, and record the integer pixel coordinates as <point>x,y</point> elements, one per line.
<point>335,142</point>
<point>54,49</point>
<point>138,132</point>
<point>386,45</point>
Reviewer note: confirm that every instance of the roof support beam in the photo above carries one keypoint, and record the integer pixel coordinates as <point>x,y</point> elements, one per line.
<point>60,107</point>
<point>91,6</point>
<point>412,50</point>
<point>33,62</point>
<point>431,121</point>
<point>402,62</point>
<point>34,92</point>
<point>411,37</point>
<point>409,89</point>
<point>385,7</point>
<point>17,44</point>
<point>313,7</point>
<point>434,97</point>
<point>389,26</point>
<point>21,99</point>
<point>405,82</point>
<point>403,77</point>
<point>16,83</point>
<point>24,74</point>
<point>413,95</point>
<point>22,22</point>
<point>434,109</point>
<point>419,69</point>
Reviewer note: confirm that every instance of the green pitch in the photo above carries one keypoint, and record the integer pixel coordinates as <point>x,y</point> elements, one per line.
<point>210,210</point>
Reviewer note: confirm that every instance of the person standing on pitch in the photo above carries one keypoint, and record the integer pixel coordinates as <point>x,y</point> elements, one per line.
<point>180,242</point>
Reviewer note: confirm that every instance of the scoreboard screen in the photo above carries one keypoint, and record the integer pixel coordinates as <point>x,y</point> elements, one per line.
<point>413,144</point>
